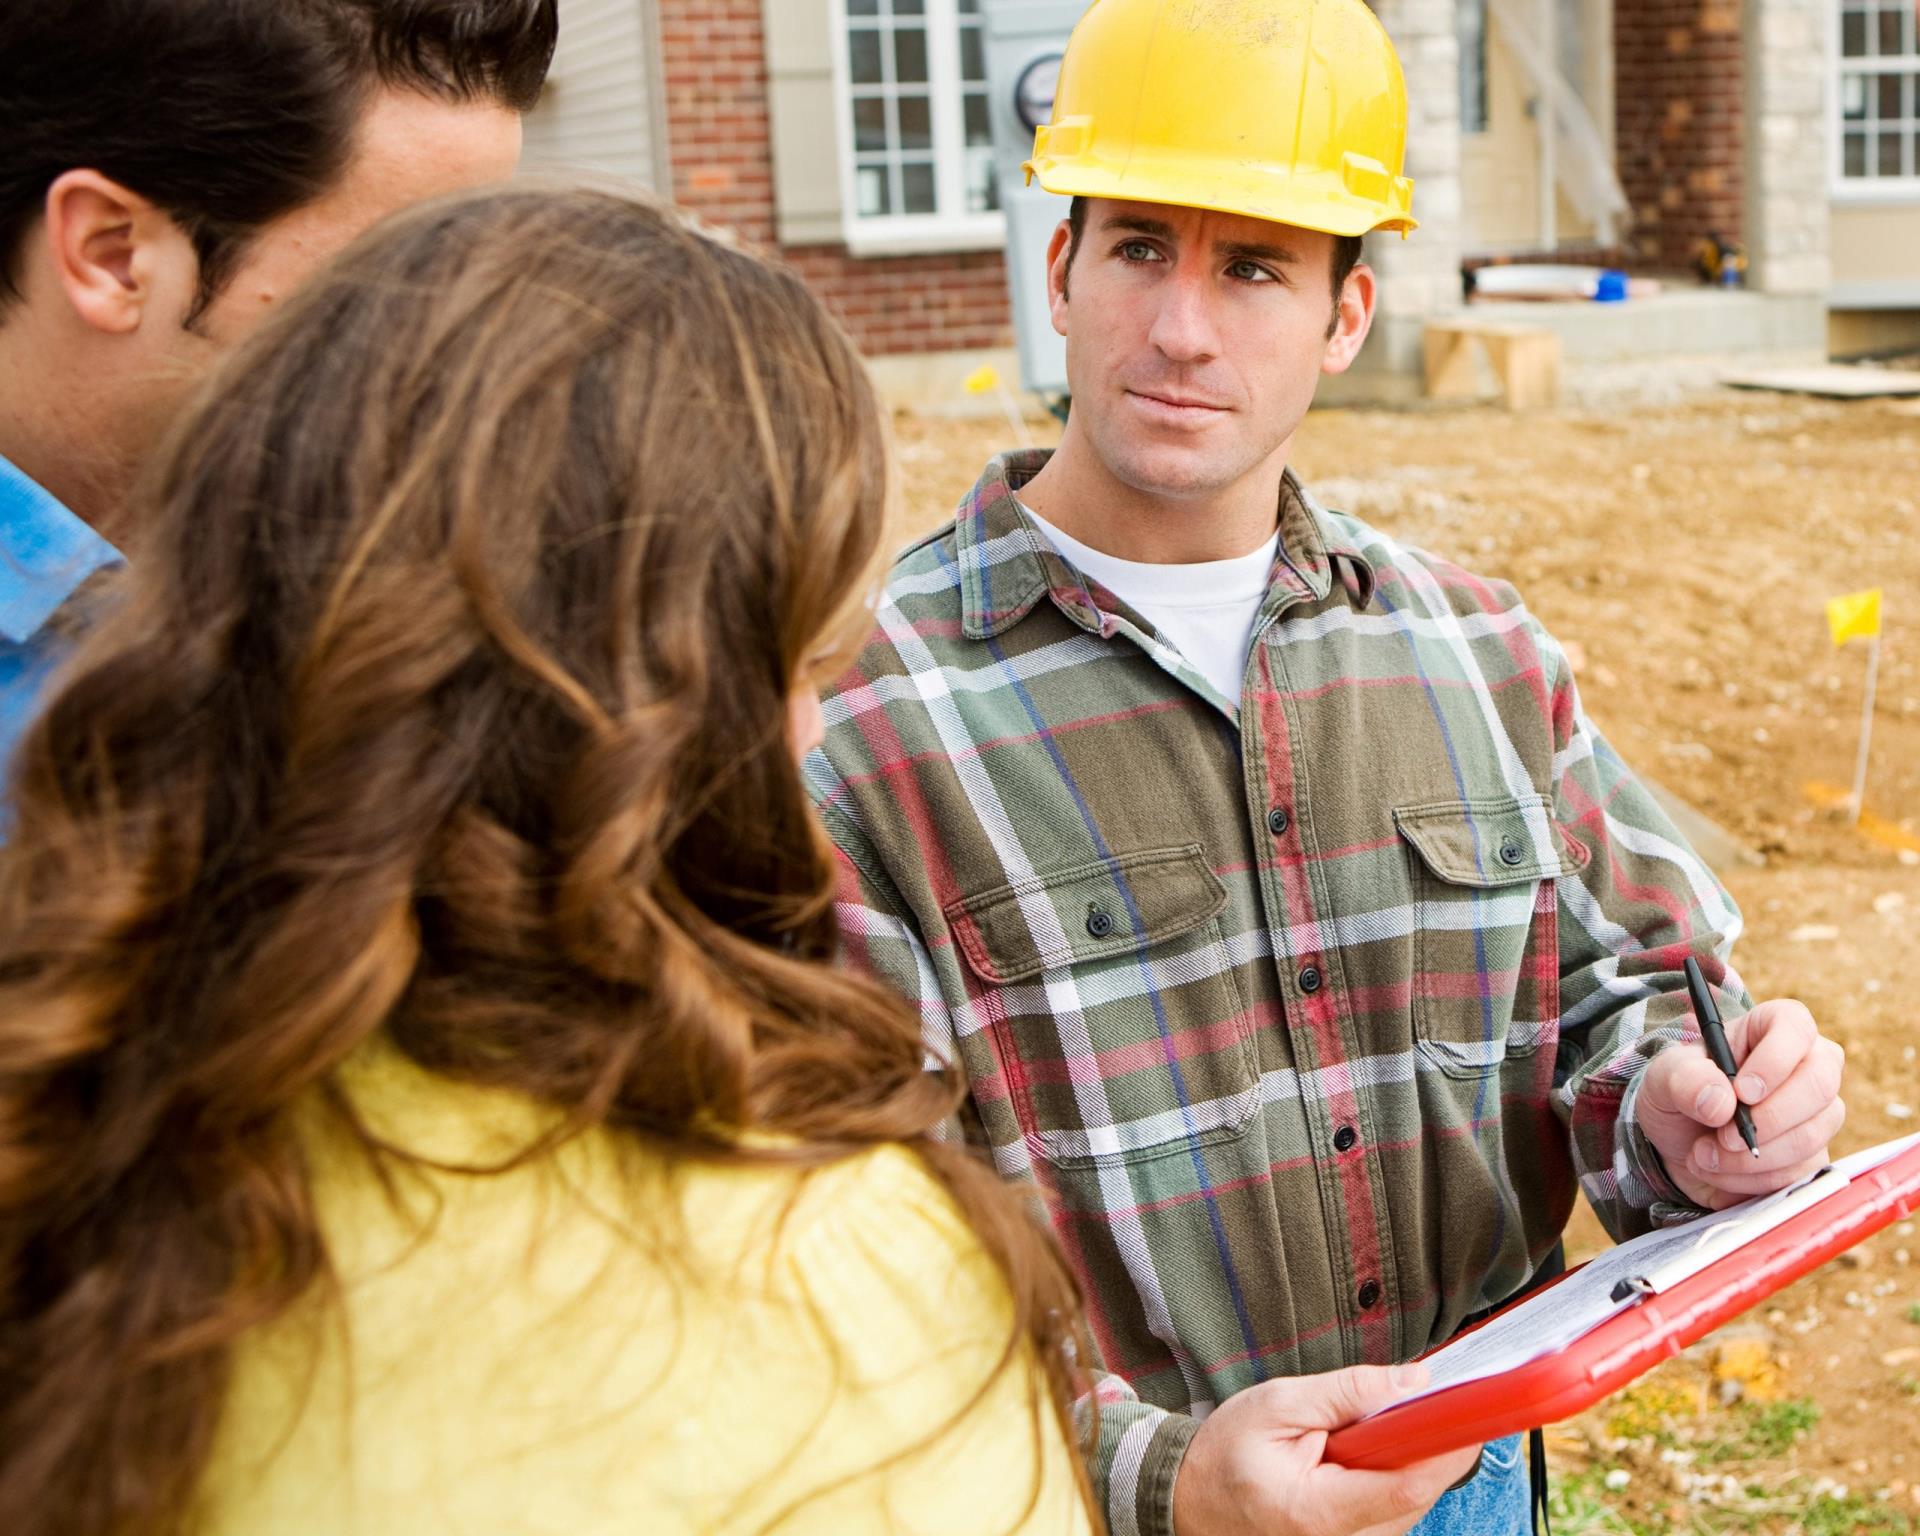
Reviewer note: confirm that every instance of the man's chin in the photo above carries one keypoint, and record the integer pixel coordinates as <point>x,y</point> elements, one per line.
<point>1175,474</point>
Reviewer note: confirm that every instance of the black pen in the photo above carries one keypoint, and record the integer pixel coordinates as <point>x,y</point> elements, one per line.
<point>1715,1037</point>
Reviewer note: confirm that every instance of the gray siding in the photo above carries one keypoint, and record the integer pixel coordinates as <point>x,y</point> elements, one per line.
<point>599,110</point>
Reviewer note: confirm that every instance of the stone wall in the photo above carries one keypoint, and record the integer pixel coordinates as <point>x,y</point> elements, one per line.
<point>1789,202</point>
<point>1420,276</point>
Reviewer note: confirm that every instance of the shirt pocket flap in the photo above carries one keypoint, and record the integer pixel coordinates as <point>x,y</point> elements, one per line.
<point>1488,843</point>
<point>1085,912</point>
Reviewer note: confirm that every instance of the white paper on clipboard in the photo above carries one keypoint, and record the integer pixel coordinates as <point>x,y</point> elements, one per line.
<point>1556,1317</point>
<point>1718,1235</point>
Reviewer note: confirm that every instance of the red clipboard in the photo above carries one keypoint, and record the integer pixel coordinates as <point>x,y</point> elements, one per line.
<point>1630,1343</point>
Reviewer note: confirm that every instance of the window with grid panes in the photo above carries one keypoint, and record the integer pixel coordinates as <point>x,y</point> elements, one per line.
<point>1878,89</point>
<point>917,150</point>
<point>1470,28</point>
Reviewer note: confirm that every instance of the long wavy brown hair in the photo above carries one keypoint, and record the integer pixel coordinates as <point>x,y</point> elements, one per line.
<point>448,699</point>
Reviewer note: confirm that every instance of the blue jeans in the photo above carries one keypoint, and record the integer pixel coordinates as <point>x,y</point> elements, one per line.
<point>1496,1503</point>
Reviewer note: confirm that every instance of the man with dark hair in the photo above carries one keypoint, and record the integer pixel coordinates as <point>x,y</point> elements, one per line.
<point>172,168</point>
<point>1288,921</point>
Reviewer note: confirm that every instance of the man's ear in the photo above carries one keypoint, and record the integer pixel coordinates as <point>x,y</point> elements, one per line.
<point>1352,319</point>
<point>1059,255</point>
<point>116,256</point>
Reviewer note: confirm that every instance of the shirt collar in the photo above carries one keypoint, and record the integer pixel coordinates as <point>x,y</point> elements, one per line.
<point>1007,565</point>
<point>45,554</point>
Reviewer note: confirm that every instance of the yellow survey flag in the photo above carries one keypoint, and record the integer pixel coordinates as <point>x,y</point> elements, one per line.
<point>1855,616</point>
<point>982,379</point>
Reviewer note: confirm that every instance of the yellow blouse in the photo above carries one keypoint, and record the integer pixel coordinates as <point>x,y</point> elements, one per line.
<point>608,1340</point>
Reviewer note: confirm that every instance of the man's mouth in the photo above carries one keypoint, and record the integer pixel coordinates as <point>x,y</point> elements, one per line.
<point>1177,402</point>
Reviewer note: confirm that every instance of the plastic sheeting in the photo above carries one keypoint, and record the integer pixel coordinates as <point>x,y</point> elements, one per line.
<point>1582,166</point>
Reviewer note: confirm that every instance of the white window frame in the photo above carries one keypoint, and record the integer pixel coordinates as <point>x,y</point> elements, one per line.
<point>1864,189</point>
<point>904,234</point>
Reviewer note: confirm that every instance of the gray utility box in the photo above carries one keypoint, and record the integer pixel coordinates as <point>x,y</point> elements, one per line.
<point>1025,41</point>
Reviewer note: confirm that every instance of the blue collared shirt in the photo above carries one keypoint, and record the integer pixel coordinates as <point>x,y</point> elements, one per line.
<point>45,554</point>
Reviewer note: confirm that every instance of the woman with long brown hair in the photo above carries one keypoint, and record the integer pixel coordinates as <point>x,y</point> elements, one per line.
<point>427,1102</point>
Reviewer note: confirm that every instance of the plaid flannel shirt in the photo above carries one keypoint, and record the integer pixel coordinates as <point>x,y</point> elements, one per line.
<point>1307,1009</point>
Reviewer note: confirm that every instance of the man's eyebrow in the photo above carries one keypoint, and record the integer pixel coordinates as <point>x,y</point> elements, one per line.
<point>1242,251</point>
<point>1157,228</point>
<point>1236,250</point>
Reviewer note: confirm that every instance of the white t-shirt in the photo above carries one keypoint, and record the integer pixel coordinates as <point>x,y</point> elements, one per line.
<point>1205,611</point>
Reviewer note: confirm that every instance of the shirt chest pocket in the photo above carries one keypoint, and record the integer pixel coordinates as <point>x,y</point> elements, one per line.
<point>1486,962</point>
<point>1111,989</point>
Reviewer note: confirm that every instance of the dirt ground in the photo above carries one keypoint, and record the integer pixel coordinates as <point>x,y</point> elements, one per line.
<point>1684,553</point>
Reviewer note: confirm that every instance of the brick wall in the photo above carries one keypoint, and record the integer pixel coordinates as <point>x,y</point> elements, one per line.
<point>1680,94</point>
<point>715,74</point>
<point>713,64</point>
<point>913,303</point>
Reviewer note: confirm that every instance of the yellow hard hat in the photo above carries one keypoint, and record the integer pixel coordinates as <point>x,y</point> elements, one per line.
<point>1288,110</point>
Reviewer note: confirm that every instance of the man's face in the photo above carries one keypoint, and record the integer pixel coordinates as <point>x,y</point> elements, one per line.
<point>408,148</point>
<point>1195,340</point>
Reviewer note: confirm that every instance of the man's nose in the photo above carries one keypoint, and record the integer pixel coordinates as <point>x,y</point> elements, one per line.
<point>1185,329</point>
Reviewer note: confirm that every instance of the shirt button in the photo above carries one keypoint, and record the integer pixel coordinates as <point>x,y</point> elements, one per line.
<point>1278,821</point>
<point>1099,923</point>
<point>1310,979</point>
<point>1369,1295</point>
<point>1511,853</point>
<point>1344,1138</point>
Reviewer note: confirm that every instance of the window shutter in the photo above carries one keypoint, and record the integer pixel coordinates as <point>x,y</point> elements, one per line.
<point>804,120</point>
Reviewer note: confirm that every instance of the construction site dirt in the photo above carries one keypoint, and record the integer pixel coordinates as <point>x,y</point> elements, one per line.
<point>1683,553</point>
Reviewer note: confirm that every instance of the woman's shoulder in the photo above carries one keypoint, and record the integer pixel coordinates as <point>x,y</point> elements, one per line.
<point>888,1186</point>
<point>872,1230</point>
<point>680,1342</point>
<point>780,1200</point>
<point>803,1218</point>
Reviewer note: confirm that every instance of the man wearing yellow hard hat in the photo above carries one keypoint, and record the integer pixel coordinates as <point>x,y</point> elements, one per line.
<point>1290,923</point>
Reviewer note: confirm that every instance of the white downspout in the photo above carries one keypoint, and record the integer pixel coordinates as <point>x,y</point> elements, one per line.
<point>1546,126</point>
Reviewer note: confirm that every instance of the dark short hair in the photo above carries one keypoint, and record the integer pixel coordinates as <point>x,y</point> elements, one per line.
<point>229,113</point>
<point>1346,248</point>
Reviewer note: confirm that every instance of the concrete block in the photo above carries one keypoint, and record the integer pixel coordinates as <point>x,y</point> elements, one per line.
<point>1413,295</point>
<point>1794,274</point>
<point>1434,162</point>
<point>1409,20</point>
<point>1790,34</point>
<point>935,382</point>
<point>1797,93</point>
<point>1436,201</point>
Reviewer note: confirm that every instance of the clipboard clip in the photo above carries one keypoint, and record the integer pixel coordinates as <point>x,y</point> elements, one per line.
<point>1729,1234</point>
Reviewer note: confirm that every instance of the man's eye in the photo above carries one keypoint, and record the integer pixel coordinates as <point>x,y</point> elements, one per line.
<point>1250,272</point>
<point>1137,250</point>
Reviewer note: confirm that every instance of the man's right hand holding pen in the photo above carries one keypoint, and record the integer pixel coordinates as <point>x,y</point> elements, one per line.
<point>1788,1078</point>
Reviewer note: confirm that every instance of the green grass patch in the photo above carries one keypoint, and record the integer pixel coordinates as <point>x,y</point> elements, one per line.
<point>1760,1433</point>
<point>1777,1425</point>
<point>1853,1516</point>
<point>1582,1506</point>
